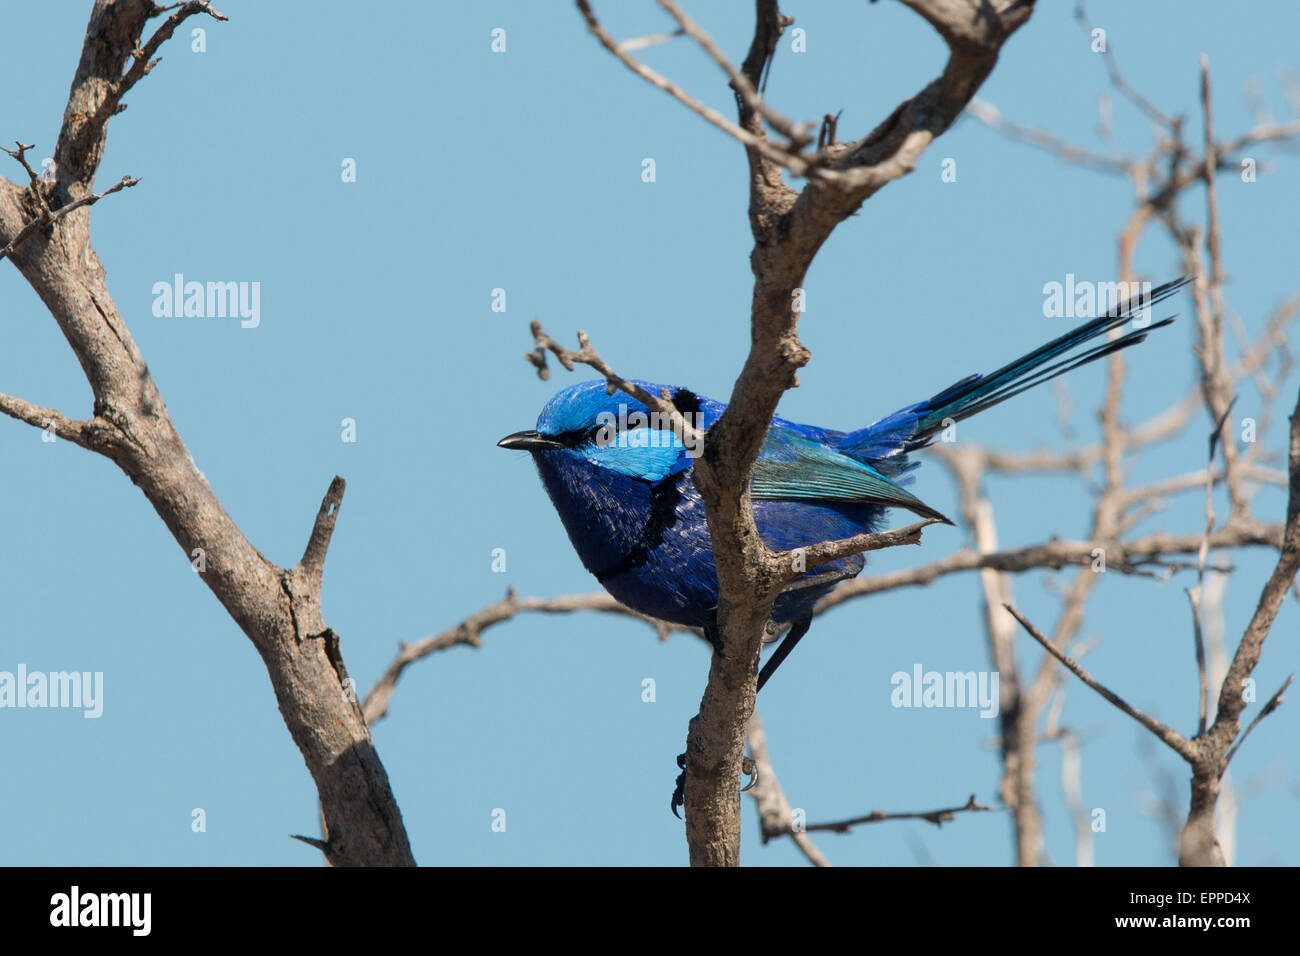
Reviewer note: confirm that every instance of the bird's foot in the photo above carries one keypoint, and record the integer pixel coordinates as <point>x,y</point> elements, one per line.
<point>679,790</point>
<point>747,767</point>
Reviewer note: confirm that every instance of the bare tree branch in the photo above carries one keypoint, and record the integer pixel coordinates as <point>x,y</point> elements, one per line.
<point>1171,738</point>
<point>788,230</point>
<point>101,82</point>
<point>787,158</point>
<point>937,817</point>
<point>1198,845</point>
<point>1158,179</point>
<point>775,815</point>
<point>1117,80</point>
<point>789,227</point>
<point>277,608</point>
<point>469,633</point>
<point>990,116</point>
<point>1132,557</point>
<point>798,136</point>
<point>1194,593</point>
<point>1273,704</point>
<point>827,551</point>
<point>49,216</point>
<point>79,433</point>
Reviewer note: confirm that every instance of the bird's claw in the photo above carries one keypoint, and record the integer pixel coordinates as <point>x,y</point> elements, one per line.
<point>747,767</point>
<point>679,791</point>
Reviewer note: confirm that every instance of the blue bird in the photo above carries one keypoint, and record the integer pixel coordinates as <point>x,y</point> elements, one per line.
<point>621,479</point>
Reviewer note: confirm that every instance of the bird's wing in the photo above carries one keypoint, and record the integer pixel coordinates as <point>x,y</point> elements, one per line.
<point>792,466</point>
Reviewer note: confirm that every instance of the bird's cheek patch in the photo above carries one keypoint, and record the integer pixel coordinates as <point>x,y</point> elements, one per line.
<point>649,462</point>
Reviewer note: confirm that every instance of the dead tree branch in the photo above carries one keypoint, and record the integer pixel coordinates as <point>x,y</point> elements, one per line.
<point>469,634</point>
<point>775,815</point>
<point>937,817</point>
<point>789,227</point>
<point>47,238</point>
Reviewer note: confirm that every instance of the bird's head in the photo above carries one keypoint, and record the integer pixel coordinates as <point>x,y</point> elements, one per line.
<point>584,423</point>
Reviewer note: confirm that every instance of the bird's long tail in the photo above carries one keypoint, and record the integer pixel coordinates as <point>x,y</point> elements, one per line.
<point>974,394</point>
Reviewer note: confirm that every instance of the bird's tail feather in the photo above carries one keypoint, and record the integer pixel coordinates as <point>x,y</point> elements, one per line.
<point>976,393</point>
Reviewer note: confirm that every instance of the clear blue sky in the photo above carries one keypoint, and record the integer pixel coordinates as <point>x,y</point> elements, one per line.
<point>522,171</point>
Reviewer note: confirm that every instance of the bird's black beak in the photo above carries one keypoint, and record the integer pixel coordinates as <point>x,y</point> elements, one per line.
<point>530,440</point>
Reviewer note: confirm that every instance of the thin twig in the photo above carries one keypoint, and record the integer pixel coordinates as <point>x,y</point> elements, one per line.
<point>1273,703</point>
<point>124,183</point>
<point>937,817</point>
<point>796,164</point>
<point>799,136</point>
<point>586,355</point>
<point>990,116</point>
<point>469,631</point>
<point>1172,738</point>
